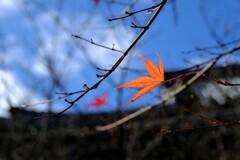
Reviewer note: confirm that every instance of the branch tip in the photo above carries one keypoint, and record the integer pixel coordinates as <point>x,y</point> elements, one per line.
<point>86,87</point>
<point>99,76</point>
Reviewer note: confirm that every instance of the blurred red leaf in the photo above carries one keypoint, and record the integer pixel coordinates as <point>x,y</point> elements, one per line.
<point>96,1</point>
<point>98,102</point>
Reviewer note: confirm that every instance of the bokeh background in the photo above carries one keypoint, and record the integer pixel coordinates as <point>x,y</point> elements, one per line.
<point>39,58</point>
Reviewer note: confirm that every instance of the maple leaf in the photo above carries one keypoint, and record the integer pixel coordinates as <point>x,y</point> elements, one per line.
<point>98,102</point>
<point>147,83</point>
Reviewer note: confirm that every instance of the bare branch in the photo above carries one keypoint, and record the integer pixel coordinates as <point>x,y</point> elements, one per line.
<point>160,6</point>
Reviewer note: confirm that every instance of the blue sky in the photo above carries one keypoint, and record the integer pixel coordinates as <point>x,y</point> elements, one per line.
<point>32,36</point>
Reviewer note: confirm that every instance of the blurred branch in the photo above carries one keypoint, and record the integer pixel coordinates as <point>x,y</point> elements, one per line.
<point>219,45</point>
<point>212,29</point>
<point>175,12</point>
<point>165,132</point>
<point>171,95</point>
<point>203,117</point>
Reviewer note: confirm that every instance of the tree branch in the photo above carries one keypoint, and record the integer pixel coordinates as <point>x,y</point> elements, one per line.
<point>173,94</point>
<point>71,103</point>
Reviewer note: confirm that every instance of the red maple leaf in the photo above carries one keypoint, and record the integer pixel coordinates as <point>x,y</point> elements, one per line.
<point>98,102</point>
<point>147,83</point>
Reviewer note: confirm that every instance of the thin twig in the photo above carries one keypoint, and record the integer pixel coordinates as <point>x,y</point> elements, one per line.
<point>97,44</point>
<point>64,95</point>
<point>224,83</point>
<point>128,14</point>
<point>164,132</point>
